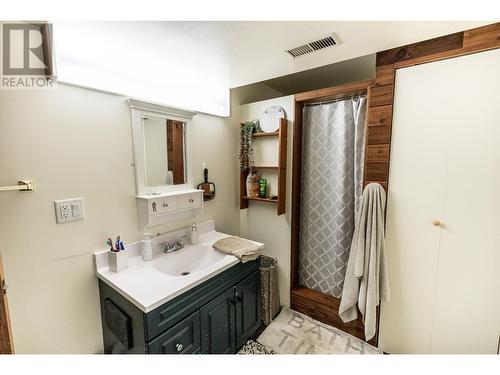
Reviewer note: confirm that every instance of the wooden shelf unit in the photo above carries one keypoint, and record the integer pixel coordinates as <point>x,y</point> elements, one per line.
<point>260,199</point>
<point>281,134</point>
<point>273,134</point>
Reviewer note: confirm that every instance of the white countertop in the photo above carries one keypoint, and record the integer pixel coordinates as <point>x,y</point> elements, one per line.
<point>146,286</point>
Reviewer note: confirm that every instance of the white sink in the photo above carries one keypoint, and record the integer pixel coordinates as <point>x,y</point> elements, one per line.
<point>189,260</point>
<point>150,284</point>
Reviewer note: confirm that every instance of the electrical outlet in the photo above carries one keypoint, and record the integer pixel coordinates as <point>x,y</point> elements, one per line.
<point>69,210</point>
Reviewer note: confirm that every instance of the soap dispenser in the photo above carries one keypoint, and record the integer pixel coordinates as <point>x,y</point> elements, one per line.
<point>194,234</point>
<point>147,247</point>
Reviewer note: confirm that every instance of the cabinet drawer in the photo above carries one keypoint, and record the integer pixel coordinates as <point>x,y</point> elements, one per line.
<point>163,205</point>
<point>183,338</point>
<point>189,200</point>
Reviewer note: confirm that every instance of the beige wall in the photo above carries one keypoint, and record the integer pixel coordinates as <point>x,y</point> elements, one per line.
<point>78,143</point>
<point>259,222</point>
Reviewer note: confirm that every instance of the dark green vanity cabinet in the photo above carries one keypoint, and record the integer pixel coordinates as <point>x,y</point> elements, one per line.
<point>217,316</point>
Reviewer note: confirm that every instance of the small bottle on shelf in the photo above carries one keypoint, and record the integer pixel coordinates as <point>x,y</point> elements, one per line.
<point>262,187</point>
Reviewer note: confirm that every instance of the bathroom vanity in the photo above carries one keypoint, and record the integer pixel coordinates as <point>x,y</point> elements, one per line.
<point>193,301</point>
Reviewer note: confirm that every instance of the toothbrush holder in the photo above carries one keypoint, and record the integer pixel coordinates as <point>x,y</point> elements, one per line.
<point>117,261</point>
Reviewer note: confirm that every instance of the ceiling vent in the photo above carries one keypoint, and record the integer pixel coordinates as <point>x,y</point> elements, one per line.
<point>315,45</point>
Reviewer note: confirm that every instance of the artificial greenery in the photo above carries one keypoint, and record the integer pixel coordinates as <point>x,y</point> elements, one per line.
<point>246,149</point>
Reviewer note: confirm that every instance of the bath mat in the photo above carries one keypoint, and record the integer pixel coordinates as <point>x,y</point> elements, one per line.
<point>253,347</point>
<point>295,333</point>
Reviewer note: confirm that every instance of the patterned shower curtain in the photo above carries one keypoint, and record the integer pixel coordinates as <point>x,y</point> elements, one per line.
<point>332,185</point>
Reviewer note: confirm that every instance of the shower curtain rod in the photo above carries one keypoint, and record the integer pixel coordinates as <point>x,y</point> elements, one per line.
<point>335,100</point>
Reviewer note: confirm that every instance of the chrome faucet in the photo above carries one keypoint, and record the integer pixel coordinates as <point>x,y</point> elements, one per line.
<point>171,247</point>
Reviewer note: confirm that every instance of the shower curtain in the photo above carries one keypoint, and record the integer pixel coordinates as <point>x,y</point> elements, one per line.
<point>332,184</point>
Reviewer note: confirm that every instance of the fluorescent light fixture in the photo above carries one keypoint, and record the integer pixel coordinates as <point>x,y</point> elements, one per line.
<point>145,60</point>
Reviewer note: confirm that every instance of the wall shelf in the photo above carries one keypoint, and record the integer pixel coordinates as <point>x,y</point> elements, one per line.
<point>260,199</point>
<point>273,134</point>
<point>266,167</point>
<point>281,134</point>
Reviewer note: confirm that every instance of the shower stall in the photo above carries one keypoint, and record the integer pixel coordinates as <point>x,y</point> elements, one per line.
<point>328,177</point>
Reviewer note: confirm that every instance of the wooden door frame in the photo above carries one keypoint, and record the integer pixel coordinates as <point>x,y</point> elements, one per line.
<point>6,343</point>
<point>377,144</point>
<point>318,305</point>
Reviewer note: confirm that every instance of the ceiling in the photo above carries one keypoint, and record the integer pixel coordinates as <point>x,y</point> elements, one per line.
<point>254,51</point>
<point>193,65</point>
<point>352,70</point>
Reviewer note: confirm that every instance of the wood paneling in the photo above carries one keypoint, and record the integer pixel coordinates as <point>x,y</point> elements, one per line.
<point>384,184</point>
<point>376,171</point>
<point>485,37</point>
<point>384,75</point>
<point>475,40</point>
<point>381,95</point>
<point>380,115</point>
<point>420,49</point>
<point>377,153</point>
<point>377,135</point>
<point>6,345</point>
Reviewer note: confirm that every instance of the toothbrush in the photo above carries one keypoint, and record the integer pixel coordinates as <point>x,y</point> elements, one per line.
<point>121,245</point>
<point>117,243</point>
<point>109,242</point>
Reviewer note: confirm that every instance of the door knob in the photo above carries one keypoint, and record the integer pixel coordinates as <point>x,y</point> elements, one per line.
<point>436,223</point>
<point>178,347</point>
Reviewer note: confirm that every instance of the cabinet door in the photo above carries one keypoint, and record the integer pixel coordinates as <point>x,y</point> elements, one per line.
<point>467,311</point>
<point>415,199</point>
<point>217,324</point>
<point>183,338</point>
<point>444,296</point>
<point>247,297</point>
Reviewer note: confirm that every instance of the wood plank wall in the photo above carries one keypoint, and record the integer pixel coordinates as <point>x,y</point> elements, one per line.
<point>379,124</point>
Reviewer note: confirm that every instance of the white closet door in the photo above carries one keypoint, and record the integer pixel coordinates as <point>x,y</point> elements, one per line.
<point>446,291</point>
<point>467,312</point>
<point>416,191</point>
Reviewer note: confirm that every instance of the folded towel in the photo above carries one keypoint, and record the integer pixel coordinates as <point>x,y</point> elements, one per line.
<point>366,279</point>
<point>243,249</point>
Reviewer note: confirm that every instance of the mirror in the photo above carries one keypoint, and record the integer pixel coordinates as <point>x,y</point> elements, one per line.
<point>161,139</point>
<point>164,151</point>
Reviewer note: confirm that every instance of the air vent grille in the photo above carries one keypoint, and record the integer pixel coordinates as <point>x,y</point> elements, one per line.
<point>316,45</point>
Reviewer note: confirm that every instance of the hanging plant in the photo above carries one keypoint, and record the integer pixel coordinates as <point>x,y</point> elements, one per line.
<point>246,149</point>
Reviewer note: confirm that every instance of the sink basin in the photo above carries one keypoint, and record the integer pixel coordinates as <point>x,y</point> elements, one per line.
<point>148,285</point>
<point>189,260</point>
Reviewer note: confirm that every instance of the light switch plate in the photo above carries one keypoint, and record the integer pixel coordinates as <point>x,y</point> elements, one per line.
<point>69,210</point>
